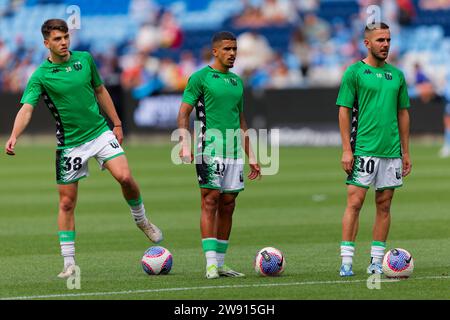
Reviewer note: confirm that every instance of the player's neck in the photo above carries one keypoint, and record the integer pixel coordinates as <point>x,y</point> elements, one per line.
<point>374,62</point>
<point>219,67</point>
<point>59,59</point>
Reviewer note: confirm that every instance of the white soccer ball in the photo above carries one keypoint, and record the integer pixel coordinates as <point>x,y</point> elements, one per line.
<point>157,260</point>
<point>269,261</point>
<point>398,263</point>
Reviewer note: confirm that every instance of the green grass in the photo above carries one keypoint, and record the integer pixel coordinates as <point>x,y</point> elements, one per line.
<point>299,211</point>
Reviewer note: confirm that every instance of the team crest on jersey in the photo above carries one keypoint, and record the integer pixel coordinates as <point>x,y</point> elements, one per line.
<point>388,75</point>
<point>231,81</point>
<point>77,66</point>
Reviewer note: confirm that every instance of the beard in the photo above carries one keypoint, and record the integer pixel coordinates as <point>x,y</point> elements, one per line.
<point>380,55</point>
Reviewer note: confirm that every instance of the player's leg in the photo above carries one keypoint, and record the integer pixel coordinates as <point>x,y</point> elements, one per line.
<point>66,226</point>
<point>209,207</point>
<point>224,223</point>
<point>232,184</point>
<point>389,177</point>
<point>383,200</point>
<point>445,150</point>
<point>350,223</point>
<point>120,170</point>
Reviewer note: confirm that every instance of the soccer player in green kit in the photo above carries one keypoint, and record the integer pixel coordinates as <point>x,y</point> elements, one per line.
<point>73,91</point>
<point>374,125</point>
<point>217,95</point>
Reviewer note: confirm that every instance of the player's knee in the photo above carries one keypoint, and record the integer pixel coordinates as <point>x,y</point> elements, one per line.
<point>383,207</point>
<point>355,206</point>
<point>230,205</point>
<point>210,203</point>
<point>67,205</point>
<point>126,181</point>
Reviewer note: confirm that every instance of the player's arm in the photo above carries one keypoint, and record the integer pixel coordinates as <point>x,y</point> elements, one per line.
<point>107,105</point>
<point>403,128</point>
<point>344,127</point>
<point>22,120</point>
<point>255,169</point>
<point>185,138</point>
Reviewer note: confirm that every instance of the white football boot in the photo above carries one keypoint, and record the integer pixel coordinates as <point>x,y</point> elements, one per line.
<point>68,271</point>
<point>151,231</point>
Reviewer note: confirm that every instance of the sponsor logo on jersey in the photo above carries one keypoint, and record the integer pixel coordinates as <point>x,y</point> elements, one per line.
<point>367,71</point>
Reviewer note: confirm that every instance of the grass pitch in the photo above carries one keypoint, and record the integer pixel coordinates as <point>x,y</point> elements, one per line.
<point>299,211</point>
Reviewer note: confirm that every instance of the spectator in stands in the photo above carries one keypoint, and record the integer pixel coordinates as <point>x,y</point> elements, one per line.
<point>278,12</point>
<point>170,75</point>
<point>187,65</point>
<point>206,57</point>
<point>171,33</point>
<point>111,72</point>
<point>407,12</point>
<point>19,75</point>
<point>10,9</point>
<point>316,29</point>
<point>434,4</point>
<point>423,84</point>
<point>142,77</point>
<point>250,17</point>
<point>254,51</point>
<point>305,6</point>
<point>281,76</point>
<point>148,38</point>
<point>5,55</point>
<point>144,11</point>
<point>300,47</point>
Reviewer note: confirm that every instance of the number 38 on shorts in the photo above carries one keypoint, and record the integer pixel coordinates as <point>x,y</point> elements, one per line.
<point>382,173</point>
<point>72,163</point>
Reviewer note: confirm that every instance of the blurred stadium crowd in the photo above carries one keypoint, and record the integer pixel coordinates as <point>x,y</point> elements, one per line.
<point>154,45</point>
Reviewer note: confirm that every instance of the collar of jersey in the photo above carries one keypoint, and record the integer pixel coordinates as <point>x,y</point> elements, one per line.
<point>215,70</point>
<point>60,64</point>
<point>376,68</point>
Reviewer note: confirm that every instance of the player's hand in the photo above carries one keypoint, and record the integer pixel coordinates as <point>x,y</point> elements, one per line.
<point>347,161</point>
<point>186,155</point>
<point>9,147</point>
<point>255,171</point>
<point>406,164</point>
<point>119,134</point>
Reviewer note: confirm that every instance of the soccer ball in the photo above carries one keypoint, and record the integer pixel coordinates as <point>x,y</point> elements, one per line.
<point>157,260</point>
<point>269,261</point>
<point>398,263</point>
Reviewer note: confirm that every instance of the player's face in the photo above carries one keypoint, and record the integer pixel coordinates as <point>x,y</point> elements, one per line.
<point>378,42</point>
<point>58,43</point>
<point>226,52</point>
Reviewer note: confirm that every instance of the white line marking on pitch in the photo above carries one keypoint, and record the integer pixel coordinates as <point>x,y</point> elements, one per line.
<point>238,286</point>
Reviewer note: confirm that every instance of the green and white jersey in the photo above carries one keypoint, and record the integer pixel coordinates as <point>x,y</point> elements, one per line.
<point>68,91</point>
<point>376,95</point>
<point>218,99</point>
